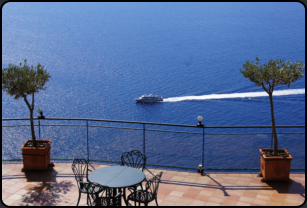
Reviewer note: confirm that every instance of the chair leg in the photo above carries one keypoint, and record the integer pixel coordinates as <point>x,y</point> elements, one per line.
<point>88,199</point>
<point>146,202</point>
<point>79,198</point>
<point>156,201</point>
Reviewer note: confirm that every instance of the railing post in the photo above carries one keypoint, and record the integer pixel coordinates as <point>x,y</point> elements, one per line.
<point>203,156</point>
<point>88,158</point>
<point>143,138</point>
<point>39,129</point>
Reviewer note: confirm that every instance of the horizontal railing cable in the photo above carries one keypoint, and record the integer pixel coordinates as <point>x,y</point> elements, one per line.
<point>149,127</point>
<point>157,130</point>
<point>149,123</point>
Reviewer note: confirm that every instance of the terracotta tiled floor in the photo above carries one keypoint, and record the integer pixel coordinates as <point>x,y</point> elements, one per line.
<point>178,188</point>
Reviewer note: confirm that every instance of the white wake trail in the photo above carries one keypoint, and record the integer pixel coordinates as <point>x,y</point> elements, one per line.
<point>236,95</point>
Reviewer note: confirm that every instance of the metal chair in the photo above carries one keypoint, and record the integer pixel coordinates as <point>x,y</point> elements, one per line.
<point>149,194</point>
<point>135,159</point>
<point>106,197</point>
<point>80,169</point>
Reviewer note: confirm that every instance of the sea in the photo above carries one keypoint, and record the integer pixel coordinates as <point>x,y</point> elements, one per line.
<point>103,55</point>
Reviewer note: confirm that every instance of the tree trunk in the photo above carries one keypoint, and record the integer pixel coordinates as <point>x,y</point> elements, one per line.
<point>31,117</point>
<point>273,125</point>
<point>32,128</point>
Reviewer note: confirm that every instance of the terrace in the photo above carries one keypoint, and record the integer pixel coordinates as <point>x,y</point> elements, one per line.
<point>58,187</point>
<point>235,183</point>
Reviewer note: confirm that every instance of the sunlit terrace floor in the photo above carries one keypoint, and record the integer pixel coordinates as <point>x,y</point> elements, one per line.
<point>178,188</point>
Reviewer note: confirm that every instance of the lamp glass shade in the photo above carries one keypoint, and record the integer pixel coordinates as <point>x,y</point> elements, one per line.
<point>39,110</point>
<point>200,118</point>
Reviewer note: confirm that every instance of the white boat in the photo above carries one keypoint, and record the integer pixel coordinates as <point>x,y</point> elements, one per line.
<point>149,98</point>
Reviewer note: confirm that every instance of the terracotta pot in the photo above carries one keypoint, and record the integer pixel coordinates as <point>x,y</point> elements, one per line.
<point>36,158</point>
<point>275,168</point>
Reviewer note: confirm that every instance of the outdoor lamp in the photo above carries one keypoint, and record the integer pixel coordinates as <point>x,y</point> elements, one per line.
<point>200,119</point>
<point>39,110</point>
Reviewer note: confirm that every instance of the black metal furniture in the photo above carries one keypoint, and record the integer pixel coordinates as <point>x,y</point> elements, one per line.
<point>149,193</point>
<point>104,198</point>
<point>134,158</point>
<point>80,169</point>
<point>117,178</point>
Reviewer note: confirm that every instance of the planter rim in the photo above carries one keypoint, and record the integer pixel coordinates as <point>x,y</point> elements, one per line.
<point>289,157</point>
<point>46,141</point>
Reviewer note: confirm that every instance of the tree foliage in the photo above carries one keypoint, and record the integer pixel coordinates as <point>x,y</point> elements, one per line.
<point>20,81</point>
<point>274,73</point>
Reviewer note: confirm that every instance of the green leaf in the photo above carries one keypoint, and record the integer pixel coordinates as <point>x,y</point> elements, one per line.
<point>20,81</point>
<point>273,73</point>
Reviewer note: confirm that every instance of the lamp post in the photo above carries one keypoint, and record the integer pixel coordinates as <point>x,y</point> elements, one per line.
<point>40,111</point>
<point>201,167</point>
<point>200,119</point>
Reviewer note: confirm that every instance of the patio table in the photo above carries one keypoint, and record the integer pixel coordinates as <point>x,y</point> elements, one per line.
<point>117,177</point>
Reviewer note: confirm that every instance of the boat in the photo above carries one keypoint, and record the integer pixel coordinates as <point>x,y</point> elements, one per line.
<point>149,98</point>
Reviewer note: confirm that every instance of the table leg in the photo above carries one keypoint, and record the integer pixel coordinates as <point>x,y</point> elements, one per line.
<point>120,198</point>
<point>113,196</point>
<point>134,195</point>
<point>109,195</point>
<point>125,197</point>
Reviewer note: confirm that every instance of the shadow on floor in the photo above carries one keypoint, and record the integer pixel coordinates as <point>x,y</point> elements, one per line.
<point>48,175</point>
<point>46,193</point>
<point>290,187</point>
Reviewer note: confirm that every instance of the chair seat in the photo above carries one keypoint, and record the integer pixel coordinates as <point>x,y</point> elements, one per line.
<point>85,189</point>
<point>140,196</point>
<point>148,194</point>
<point>103,201</point>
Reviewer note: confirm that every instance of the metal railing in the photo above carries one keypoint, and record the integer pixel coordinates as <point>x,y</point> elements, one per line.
<point>166,145</point>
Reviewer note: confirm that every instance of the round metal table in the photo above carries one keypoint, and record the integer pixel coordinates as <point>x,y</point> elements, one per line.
<point>117,177</point>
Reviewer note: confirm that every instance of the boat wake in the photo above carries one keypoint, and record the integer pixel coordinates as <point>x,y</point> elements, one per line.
<point>236,95</point>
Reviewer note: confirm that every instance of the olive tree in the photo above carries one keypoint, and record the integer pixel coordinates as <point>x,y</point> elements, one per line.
<point>23,80</point>
<point>268,76</point>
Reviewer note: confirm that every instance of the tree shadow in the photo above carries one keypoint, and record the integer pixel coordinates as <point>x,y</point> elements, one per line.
<point>48,192</point>
<point>289,187</point>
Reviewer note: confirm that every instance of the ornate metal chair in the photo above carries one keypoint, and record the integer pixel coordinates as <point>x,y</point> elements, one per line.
<point>106,197</point>
<point>80,169</point>
<point>150,192</point>
<point>134,158</point>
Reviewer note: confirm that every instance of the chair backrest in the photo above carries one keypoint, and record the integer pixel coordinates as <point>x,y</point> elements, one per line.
<point>134,158</point>
<point>152,185</point>
<point>80,169</point>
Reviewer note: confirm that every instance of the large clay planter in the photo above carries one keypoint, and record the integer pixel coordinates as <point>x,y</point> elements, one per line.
<point>36,158</point>
<point>275,168</point>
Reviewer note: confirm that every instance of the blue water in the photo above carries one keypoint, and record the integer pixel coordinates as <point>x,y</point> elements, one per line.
<point>104,55</point>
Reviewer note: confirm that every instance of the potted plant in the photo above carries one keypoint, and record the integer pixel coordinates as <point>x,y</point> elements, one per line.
<point>275,163</point>
<point>20,81</point>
